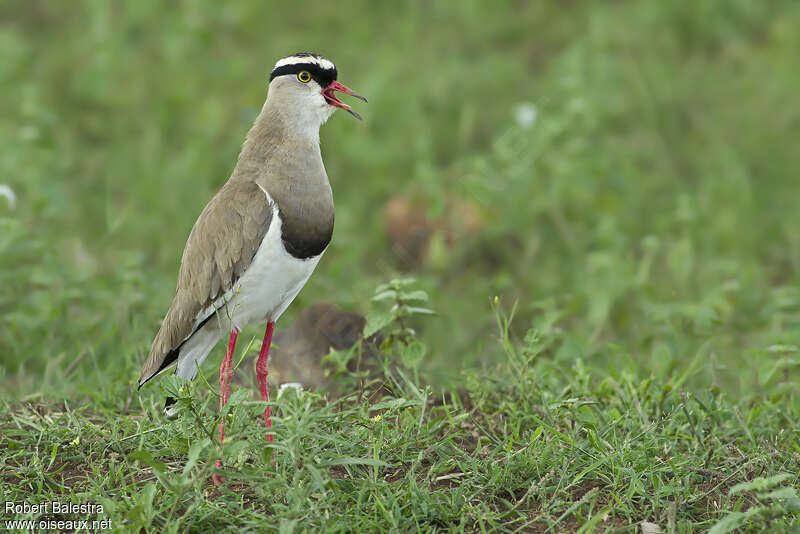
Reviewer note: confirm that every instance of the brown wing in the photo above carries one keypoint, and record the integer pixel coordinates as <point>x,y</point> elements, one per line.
<point>220,247</point>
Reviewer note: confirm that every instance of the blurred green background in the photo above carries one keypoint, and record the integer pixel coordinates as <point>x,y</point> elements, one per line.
<point>625,173</point>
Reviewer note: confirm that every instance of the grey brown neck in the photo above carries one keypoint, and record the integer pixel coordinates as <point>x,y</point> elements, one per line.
<point>283,157</point>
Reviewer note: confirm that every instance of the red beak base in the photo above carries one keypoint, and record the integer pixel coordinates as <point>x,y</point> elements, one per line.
<point>333,101</point>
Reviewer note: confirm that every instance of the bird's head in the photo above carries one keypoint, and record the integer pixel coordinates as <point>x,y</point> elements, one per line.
<point>304,85</point>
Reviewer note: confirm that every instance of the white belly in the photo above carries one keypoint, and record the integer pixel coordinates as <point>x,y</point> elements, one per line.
<point>271,282</point>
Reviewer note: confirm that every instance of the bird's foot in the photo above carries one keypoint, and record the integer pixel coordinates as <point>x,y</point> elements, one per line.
<point>215,478</point>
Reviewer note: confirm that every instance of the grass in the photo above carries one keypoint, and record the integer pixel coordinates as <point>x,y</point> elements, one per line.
<point>618,323</point>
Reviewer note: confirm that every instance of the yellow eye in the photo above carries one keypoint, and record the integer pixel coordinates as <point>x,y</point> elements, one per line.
<point>304,76</point>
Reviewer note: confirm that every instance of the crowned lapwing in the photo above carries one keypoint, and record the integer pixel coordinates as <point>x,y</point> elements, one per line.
<point>258,240</point>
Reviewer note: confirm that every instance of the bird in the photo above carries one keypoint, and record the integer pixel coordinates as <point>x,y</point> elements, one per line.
<point>259,239</point>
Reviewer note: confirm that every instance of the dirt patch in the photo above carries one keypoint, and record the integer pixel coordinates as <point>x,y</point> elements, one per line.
<point>72,472</point>
<point>572,524</point>
<point>338,472</point>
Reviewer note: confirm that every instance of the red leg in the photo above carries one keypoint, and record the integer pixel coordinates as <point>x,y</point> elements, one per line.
<point>225,374</point>
<point>262,370</point>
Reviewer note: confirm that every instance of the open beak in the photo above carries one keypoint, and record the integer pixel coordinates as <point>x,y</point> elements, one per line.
<point>333,101</point>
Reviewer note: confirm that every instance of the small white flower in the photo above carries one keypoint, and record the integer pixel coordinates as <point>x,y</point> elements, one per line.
<point>297,386</point>
<point>5,191</point>
<point>526,114</point>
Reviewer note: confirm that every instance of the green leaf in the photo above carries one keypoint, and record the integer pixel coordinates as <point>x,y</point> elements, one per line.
<point>178,443</point>
<point>238,397</point>
<point>287,526</point>
<point>376,321</point>
<point>382,287</point>
<point>731,522</point>
<point>146,458</point>
<point>171,384</point>
<point>234,448</point>
<point>780,494</point>
<point>389,294</point>
<point>53,455</point>
<point>413,354</point>
<point>195,451</point>
<point>416,309</point>
<point>414,295</point>
<point>350,460</point>
<point>395,404</point>
<point>760,483</point>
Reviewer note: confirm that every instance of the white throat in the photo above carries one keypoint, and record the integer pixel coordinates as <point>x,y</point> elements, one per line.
<point>300,112</point>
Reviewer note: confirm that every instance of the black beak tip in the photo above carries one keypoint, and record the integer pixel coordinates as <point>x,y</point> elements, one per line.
<point>354,114</point>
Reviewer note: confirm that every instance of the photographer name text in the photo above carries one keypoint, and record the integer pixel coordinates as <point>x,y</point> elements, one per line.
<point>52,507</point>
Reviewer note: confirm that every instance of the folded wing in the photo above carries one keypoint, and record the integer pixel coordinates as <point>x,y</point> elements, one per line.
<point>220,247</point>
